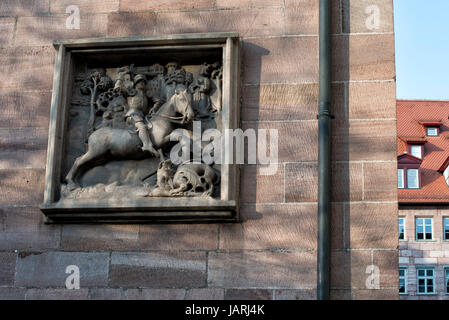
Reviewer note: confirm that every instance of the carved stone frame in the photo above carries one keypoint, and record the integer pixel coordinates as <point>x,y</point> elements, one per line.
<point>142,210</point>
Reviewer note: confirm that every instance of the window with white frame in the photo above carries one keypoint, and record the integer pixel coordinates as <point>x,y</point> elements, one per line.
<point>432,132</point>
<point>446,228</point>
<point>416,151</point>
<point>424,229</point>
<point>401,179</point>
<point>426,280</point>
<point>402,280</point>
<point>412,179</point>
<point>401,228</point>
<point>446,280</point>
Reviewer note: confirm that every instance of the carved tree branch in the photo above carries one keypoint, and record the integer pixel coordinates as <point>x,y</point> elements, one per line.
<point>92,107</point>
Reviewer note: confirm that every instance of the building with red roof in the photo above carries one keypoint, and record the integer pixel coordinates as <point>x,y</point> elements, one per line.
<point>423,195</point>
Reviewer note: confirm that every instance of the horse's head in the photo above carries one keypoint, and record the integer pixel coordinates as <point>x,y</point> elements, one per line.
<point>182,102</point>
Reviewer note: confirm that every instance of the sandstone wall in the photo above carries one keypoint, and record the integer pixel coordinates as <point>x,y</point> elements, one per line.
<point>272,253</point>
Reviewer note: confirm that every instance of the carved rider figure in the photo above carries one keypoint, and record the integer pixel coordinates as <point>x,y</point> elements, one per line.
<point>138,108</point>
<point>201,88</point>
<point>124,80</point>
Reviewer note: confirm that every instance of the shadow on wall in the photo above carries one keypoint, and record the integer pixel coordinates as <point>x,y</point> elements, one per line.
<point>341,272</point>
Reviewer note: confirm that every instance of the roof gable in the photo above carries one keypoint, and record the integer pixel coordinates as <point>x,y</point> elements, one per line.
<point>407,158</point>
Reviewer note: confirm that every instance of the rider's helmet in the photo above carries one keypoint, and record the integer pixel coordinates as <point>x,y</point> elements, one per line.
<point>139,77</point>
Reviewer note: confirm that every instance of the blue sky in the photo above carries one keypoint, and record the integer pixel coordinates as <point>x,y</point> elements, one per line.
<point>422,49</point>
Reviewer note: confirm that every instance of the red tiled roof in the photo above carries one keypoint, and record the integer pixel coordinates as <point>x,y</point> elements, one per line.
<point>412,117</point>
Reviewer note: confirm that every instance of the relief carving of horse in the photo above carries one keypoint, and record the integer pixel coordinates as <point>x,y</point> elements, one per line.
<point>114,143</point>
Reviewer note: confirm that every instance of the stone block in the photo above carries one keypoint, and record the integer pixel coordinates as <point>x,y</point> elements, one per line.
<point>100,237</point>
<point>248,294</point>
<point>38,63</point>
<point>35,269</point>
<point>7,268</point>
<point>155,294</point>
<point>178,237</point>
<point>256,187</point>
<point>23,148</point>
<point>286,270</point>
<point>131,24</point>
<point>25,109</point>
<point>280,60</point>
<point>205,294</point>
<point>372,225</point>
<point>247,22</point>
<point>132,5</point>
<point>272,227</point>
<point>175,270</point>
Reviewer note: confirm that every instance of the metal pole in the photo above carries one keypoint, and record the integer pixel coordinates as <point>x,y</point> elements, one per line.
<point>324,152</point>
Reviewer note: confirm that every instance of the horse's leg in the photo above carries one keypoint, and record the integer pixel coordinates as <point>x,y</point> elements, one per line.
<point>79,163</point>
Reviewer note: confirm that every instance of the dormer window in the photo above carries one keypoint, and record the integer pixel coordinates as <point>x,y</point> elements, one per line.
<point>409,171</point>
<point>412,179</point>
<point>416,150</point>
<point>432,131</point>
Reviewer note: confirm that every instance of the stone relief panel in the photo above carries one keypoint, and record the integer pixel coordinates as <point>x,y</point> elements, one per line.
<point>124,117</point>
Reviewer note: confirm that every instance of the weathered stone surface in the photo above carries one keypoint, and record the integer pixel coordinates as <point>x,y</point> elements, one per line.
<point>23,148</point>
<point>23,7</point>
<point>178,237</point>
<point>337,226</point>
<point>358,16</point>
<point>131,24</point>
<point>352,141</point>
<point>286,101</point>
<point>280,60</point>
<point>289,270</point>
<point>23,229</point>
<point>24,109</point>
<point>48,269</point>
<point>6,31</point>
<point>248,294</point>
<point>106,294</point>
<point>383,294</point>
<point>7,268</point>
<point>340,269</point>
<point>256,187</point>
<point>85,6</point>
<point>301,182</point>
<point>155,294</point>
<point>301,17</point>
<point>359,260</point>
<point>387,261</point>
<point>347,182</point>
<point>272,227</point>
<point>247,3</point>
<point>370,225</point>
<point>363,57</point>
<point>57,294</point>
<point>177,269</point>
<point>338,294</point>
<point>247,22</point>
<point>279,102</point>
<point>21,187</point>
<point>297,140</point>
<point>100,237</point>
<point>380,181</point>
<point>38,63</point>
<point>45,29</point>
<point>372,100</point>
<point>295,295</point>
<point>10,293</point>
<point>132,5</point>
<point>205,294</point>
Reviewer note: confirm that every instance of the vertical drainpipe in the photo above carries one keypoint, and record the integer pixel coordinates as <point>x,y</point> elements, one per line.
<point>324,152</point>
